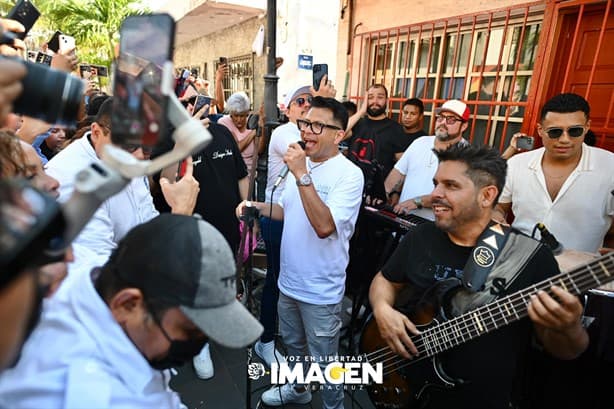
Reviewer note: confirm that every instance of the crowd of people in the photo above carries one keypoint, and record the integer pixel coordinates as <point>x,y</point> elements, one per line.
<point>151,278</point>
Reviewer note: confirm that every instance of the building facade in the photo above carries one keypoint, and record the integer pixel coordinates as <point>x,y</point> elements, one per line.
<point>504,58</point>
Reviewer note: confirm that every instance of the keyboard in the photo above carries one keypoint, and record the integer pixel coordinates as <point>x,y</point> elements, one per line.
<point>386,214</point>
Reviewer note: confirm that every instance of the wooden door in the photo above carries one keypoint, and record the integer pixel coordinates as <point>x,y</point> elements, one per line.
<point>572,67</point>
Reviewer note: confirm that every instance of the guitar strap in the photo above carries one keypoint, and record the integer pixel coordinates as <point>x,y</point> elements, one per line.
<point>484,255</point>
<point>512,259</point>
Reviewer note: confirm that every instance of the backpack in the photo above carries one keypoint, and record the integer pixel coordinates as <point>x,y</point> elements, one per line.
<point>363,154</point>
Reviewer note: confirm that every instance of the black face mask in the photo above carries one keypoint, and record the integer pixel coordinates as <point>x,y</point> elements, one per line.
<point>179,353</point>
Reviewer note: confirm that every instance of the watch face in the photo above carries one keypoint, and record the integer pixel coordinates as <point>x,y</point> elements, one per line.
<point>305,180</point>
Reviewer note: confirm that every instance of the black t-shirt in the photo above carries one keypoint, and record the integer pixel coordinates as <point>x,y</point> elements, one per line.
<point>388,136</point>
<point>489,363</point>
<point>218,169</point>
<point>412,136</point>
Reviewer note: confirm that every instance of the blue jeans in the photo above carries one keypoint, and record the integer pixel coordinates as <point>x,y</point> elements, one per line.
<point>271,233</point>
<point>309,329</point>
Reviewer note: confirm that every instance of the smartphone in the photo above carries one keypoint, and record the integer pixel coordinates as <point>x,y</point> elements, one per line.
<point>54,43</point>
<point>43,58</point>
<point>525,142</point>
<point>100,70</point>
<point>67,43</point>
<point>139,106</point>
<point>319,71</point>
<point>252,121</point>
<point>223,60</point>
<point>32,55</point>
<point>85,71</point>
<point>26,14</point>
<point>200,102</point>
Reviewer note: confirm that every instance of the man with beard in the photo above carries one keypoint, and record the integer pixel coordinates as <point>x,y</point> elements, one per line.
<point>468,182</point>
<point>409,184</point>
<point>376,136</point>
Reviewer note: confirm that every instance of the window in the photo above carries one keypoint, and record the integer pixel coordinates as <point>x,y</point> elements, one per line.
<point>486,60</point>
<point>240,76</point>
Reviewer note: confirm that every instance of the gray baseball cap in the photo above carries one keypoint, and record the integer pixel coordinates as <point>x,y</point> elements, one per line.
<point>184,261</point>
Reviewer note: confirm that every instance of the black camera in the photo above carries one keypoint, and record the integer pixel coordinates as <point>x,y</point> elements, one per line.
<point>32,228</point>
<point>48,94</point>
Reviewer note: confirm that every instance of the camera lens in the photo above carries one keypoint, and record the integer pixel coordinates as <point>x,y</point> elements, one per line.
<point>48,94</point>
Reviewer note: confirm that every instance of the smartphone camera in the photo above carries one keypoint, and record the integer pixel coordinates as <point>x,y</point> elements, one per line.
<point>525,143</point>
<point>51,95</point>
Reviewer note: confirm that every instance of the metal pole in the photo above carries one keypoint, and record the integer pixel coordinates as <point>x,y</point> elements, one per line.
<point>270,93</point>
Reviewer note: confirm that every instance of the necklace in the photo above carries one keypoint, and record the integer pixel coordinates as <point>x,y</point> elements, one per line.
<point>314,166</point>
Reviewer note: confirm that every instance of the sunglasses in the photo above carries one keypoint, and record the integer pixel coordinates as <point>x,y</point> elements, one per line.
<point>573,131</point>
<point>133,147</point>
<point>302,100</point>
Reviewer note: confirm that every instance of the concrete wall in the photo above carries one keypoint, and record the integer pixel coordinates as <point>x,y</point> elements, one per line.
<point>377,14</point>
<point>231,42</point>
<point>303,27</point>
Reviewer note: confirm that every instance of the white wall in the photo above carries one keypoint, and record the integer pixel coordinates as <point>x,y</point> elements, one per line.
<point>306,27</point>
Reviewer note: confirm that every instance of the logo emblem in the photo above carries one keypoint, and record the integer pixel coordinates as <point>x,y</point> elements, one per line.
<point>483,256</point>
<point>255,371</point>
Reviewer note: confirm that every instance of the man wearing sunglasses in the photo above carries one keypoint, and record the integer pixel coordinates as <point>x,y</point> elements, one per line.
<point>566,184</point>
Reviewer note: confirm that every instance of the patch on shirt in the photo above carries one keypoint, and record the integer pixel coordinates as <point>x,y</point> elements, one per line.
<point>221,155</point>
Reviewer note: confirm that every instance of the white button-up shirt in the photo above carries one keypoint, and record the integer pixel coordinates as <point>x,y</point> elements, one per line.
<point>580,215</point>
<point>79,357</point>
<point>117,215</point>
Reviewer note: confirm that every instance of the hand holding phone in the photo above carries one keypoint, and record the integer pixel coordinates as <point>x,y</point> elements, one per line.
<point>525,142</point>
<point>319,71</point>
<point>26,14</point>
<point>199,103</point>
<point>67,43</point>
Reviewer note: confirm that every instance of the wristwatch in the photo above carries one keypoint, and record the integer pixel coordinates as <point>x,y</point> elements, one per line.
<point>304,180</point>
<point>418,202</point>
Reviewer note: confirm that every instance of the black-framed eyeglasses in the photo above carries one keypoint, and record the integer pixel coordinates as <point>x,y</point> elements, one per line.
<point>450,120</point>
<point>315,127</point>
<point>300,101</point>
<point>133,147</point>
<point>573,131</point>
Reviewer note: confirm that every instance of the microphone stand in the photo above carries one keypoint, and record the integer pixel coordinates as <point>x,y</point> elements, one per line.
<point>245,268</point>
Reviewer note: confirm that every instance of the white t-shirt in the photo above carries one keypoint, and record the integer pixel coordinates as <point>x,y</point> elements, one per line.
<point>80,357</point>
<point>312,269</point>
<point>418,164</point>
<point>281,137</point>
<point>580,215</point>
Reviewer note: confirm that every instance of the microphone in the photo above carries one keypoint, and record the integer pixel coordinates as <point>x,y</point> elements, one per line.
<point>284,170</point>
<point>549,240</point>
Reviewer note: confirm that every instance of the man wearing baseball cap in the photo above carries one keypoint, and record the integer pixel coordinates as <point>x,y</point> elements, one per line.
<point>166,290</point>
<point>410,183</point>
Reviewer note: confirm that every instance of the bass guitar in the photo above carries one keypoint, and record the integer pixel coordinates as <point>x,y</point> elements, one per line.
<point>439,335</point>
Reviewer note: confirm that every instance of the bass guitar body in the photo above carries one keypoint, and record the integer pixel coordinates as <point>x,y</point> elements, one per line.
<point>406,383</point>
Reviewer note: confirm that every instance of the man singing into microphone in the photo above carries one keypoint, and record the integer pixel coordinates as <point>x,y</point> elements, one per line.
<point>319,207</point>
